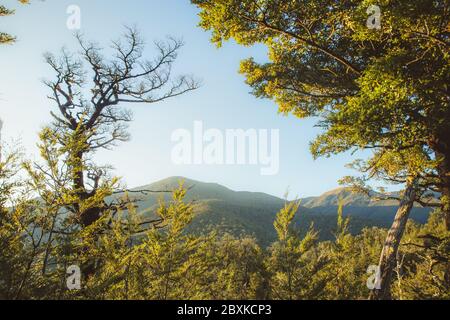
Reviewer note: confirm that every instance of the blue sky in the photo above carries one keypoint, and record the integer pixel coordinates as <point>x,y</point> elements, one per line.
<point>222,102</point>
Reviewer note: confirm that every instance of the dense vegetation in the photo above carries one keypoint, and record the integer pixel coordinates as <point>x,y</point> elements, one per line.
<point>384,90</point>
<point>165,262</point>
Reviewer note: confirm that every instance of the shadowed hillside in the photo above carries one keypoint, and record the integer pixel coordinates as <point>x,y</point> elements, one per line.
<point>253,213</point>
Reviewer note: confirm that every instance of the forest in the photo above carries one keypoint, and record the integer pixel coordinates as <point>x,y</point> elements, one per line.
<point>70,230</point>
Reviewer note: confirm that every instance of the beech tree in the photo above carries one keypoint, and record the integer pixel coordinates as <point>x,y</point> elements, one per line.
<point>383,89</point>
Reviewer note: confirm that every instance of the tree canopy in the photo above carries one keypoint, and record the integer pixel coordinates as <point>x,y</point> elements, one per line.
<point>382,89</point>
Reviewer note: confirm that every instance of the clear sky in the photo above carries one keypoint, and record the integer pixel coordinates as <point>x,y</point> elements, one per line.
<point>222,102</point>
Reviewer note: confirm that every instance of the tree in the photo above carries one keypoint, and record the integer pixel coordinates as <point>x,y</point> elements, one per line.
<point>23,226</point>
<point>388,259</point>
<point>89,92</point>
<point>349,257</point>
<point>170,263</point>
<point>234,268</point>
<point>384,89</point>
<point>90,103</point>
<point>11,227</point>
<point>6,38</point>
<point>294,265</point>
<point>422,267</point>
<point>154,263</point>
<point>66,241</point>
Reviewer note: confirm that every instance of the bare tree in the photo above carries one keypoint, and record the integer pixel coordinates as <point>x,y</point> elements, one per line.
<point>90,90</point>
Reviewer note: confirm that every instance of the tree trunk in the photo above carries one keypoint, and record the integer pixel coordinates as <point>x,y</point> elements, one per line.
<point>441,148</point>
<point>444,173</point>
<point>88,216</point>
<point>388,259</point>
<point>445,206</point>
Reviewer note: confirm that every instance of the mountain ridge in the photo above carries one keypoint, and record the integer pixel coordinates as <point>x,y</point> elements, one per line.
<point>328,198</point>
<point>253,213</point>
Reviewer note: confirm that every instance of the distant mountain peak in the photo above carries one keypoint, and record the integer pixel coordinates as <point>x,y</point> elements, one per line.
<point>254,212</point>
<point>210,190</point>
<point>338,191</point>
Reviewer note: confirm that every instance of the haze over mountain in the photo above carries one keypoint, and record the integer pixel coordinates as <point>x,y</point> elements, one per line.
<point>253,213</point>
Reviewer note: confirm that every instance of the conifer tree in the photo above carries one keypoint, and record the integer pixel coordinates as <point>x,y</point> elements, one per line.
<point>294,265</point>
<point>234,268</point>
<point>349,257</point>
<point>13,218</point>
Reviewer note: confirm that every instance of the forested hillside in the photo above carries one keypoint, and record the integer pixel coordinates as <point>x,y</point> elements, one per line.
<point>252,213</point>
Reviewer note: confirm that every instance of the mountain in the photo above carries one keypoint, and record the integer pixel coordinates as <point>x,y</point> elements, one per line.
<point>253,213</point>
<point>348,198</point>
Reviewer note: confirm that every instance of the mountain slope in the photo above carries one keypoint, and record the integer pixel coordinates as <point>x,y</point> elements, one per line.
<point>253,213</point>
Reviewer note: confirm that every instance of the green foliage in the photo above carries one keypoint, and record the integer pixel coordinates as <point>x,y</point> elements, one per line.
<point>293,263</point>
<point>349,257</point>
<point>6,38</point>
<point>381,89</point>
<point>233,269</point>
<point>384,89</point>
<point>123,259</point>
<point>13,220</point>
<point>284,219</point>
<point>169,256</point>
<point>423,261</point>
